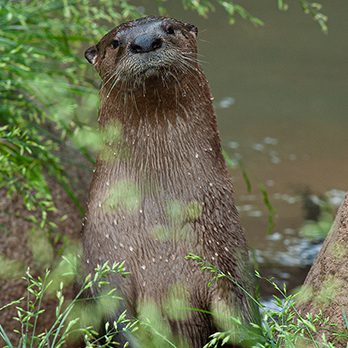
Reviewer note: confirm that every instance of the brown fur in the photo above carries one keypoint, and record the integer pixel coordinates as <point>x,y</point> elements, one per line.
<point>170,152</point>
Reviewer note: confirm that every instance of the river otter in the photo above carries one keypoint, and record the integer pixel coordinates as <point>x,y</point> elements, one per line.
<point>161,189</point>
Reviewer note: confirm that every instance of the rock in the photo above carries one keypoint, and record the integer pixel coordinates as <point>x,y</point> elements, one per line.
<point>326,286</point>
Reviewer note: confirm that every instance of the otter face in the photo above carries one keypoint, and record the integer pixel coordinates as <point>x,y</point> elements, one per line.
<point>147,47</point>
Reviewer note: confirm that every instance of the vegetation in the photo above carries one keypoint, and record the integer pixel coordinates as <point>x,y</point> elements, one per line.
<point>282,327</point>
<point>48,98</point>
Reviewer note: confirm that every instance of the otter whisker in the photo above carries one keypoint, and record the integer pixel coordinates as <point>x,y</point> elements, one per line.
<point>108,80</point>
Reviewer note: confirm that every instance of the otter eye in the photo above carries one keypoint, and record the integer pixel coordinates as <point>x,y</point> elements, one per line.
<point>115,43</point>
<point>170,30</point>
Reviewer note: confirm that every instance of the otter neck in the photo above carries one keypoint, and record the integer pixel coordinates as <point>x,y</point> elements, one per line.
<point>155,100</point>
<point>169,132</point>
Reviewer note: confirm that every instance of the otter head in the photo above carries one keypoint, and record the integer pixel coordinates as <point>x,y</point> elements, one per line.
<point>150,47</point>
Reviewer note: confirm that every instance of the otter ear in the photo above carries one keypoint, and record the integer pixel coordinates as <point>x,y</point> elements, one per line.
<point>192,29</point>
<point>91,54</point>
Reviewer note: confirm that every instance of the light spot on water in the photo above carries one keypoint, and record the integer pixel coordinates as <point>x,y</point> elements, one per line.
<point>270,183</point>
<point>275,159</point>
<point>233,145</point>
<point>246,207</point>
<point>131,248</point>
<point>335,197</point>
<point>121,245</point>
<point>270,141</point>
<point>196,155</point>
<point>99,204</point>
<point>143,267</point>
<point>274,236</point>
<point>153,259</point>
<point>289,231</point>
<point>287,198</point>
<point>226,102</point>
<point>258,147</point>
<point>87,260</point>
<point>107,236</point>
<point>255,213</point>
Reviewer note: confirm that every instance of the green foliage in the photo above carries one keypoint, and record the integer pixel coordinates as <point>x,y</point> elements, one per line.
<point>65,324</point>
<point>232,8</point>
<point>281,327</point>
<point>235,9</point>
<point>317,229</point>
<point>269,206</point>
<point>311,8</point>
<point>42,79</point>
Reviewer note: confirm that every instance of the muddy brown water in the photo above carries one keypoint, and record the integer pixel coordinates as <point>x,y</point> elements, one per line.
<point>281,97</point>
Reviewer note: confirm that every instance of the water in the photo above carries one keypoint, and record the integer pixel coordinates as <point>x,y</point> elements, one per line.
<point>281,100</point>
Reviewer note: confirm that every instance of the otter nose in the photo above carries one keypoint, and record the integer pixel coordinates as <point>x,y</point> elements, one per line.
<point>145,43</point>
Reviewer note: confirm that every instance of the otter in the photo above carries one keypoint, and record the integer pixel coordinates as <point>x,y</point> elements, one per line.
<point>161,189</point>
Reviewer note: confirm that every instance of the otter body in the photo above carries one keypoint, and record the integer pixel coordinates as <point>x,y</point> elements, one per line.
<point>161,189</point>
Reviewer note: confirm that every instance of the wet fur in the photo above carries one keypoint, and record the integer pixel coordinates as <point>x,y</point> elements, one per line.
<point>170,150</point>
